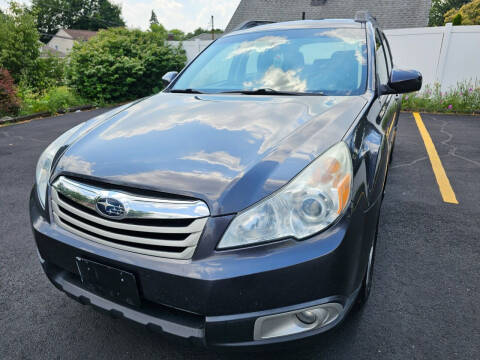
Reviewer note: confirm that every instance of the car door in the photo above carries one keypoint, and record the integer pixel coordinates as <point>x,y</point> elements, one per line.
<point>382,116</point>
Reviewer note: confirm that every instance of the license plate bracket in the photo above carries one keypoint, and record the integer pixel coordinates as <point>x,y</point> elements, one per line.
<point>108,281</point>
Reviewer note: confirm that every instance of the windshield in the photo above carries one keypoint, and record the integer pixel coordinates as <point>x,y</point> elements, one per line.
<point>325,61</point>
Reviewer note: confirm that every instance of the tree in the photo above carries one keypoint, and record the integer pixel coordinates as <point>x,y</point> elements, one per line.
<point>200,30</point>
<point>178,35</point>
<point>120,64</point>
<point>153,18</point>
<point>159,32</point>
<point>19,42</point>
<point>468,13</point>
<point>440,7</point>
<point>78,14</point>
<point>102,15</point>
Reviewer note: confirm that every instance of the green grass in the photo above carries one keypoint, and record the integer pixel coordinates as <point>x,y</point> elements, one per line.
<point>465,99</point>
<point>52,100</point>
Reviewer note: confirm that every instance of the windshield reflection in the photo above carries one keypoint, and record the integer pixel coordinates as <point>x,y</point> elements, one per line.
<point>260,45</point>
<point>280,80</point>
<point>327,61</point>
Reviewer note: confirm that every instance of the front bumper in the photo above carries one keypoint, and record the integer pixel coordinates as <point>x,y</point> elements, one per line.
<point>215,298</point>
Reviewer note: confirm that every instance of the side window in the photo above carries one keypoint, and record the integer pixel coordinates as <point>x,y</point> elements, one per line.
<point>381,63</point>
<point>388,52</point>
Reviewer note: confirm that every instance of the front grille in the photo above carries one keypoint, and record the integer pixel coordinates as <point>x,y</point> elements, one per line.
<point>152,226</point>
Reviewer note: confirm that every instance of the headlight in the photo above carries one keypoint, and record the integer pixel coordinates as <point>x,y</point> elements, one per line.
<point>314,199</point>
<point>44,165</point>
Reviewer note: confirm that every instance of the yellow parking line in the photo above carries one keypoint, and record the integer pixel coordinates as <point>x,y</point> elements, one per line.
<point>443,183</point>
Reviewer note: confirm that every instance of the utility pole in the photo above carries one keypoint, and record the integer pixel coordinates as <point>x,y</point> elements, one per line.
<point>213,32</point>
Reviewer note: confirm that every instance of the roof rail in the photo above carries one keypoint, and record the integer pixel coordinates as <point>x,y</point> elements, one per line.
<point>252,23</point>
<point>364,16</point>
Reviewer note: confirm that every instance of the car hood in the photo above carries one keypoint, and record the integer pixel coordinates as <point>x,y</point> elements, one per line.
<point>228,150</point>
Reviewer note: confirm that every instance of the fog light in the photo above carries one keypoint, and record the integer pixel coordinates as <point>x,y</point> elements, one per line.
<point>307,317</point>
<point>294,322</point>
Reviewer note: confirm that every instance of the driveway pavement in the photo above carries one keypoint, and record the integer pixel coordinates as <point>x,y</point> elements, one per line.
<point>425,301</point>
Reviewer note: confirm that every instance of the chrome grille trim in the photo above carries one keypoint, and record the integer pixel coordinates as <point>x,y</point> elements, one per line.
<point>78,219</point>
<point>138,207</point>
<point>193,227</point>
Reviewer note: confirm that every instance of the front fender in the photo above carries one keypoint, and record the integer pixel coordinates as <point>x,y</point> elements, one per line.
<point>370,153</point>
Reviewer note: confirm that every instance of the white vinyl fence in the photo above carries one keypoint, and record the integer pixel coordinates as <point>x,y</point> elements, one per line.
<point>445,55</point>
<point>193,47</point>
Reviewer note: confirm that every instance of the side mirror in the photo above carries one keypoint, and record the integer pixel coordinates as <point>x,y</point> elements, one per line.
<point>403,81</point>
<point>169,77</point>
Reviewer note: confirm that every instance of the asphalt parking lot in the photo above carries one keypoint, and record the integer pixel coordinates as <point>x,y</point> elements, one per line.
<point>425,301</point>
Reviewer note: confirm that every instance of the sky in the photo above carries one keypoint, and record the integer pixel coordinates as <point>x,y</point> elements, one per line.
<point>186,15</point>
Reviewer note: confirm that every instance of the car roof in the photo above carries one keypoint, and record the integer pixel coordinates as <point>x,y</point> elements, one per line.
<point>300,24</point>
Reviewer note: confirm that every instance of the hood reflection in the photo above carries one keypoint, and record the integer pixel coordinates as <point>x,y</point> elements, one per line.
<point>217,158</point>
<point>229,151</point>
<point>267,126</point>
<point>76,164</point>
<point>212,183</point>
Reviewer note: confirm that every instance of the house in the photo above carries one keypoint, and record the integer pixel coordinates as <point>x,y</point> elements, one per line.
<point>47,51</point>
<point>64,39</point>
<point>390,14</point>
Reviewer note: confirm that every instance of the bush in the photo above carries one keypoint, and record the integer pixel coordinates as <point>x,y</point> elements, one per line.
<point>469,14</point>
<point>49,72</point>
<point>457,20</point>
<point>52,100</point>
<point>9,101</point>
<point>463,99</point>
<point>121,64</point>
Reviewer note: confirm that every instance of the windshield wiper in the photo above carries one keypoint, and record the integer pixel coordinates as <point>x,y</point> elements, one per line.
<point>268,91</point>
<point>186,91</point>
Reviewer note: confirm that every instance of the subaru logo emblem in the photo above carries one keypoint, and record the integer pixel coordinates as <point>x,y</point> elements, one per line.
<point>110,207</point>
